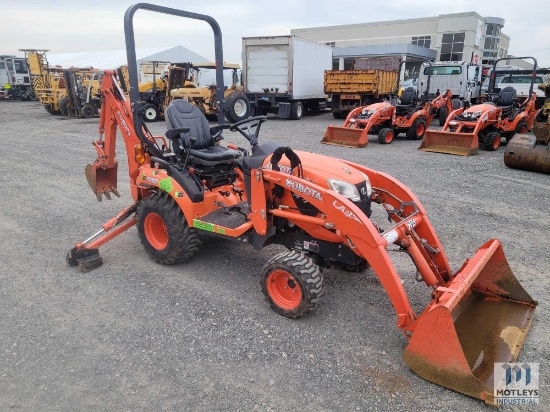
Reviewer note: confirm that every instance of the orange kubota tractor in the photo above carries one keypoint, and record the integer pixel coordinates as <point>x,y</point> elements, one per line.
<point>388,119</point>
<point>484,125</point>
<point>188,186</point>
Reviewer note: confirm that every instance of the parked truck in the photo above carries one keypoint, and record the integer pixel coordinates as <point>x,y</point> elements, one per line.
<point>284,75</point>
<point>15,79</point>
<point>370,80</point>
<point>461,78</point>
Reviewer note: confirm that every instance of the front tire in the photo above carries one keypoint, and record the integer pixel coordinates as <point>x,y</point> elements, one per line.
<point>490,142</point>
<point>238,107</point>
<point>164,232</point>
<point>417,130</point>
<point>63,106</point>
<point>386,135</point>
<point>292,283</point>
<point>88,111</point>
<point>150,112</point>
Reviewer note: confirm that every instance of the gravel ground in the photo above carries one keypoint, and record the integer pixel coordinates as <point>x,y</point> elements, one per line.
<point>133,335</point>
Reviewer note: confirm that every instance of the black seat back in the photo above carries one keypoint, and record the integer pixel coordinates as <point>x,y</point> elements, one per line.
<point>180,113</point>
<point>408,95</point>
<point>506,96</point>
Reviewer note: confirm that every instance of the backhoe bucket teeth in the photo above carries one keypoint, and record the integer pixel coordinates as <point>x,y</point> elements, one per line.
<point>524,152</point>
<point>463,144</point>
<point>345,136</point>
<point>102,181</point>
<point>481,316</point>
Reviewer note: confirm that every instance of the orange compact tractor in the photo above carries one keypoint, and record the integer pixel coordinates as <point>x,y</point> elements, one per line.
<point>484,125</point>
<point>187,187</point>
<point>389,118</point>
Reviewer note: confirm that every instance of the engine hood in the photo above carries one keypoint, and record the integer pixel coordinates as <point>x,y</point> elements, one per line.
<point>318,168</point>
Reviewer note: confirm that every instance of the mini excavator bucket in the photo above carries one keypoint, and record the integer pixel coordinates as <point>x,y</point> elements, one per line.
<point>102,180</point>
<point>481,316</point>
<point>345,136</point>
<point>462,144</point>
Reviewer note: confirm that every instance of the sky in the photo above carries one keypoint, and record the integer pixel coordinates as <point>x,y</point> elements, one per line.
<point>83,25</point>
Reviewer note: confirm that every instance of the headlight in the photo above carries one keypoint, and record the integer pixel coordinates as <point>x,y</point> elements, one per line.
<point>367,184</point>
<point>366,112</point>
<point>475,115</point>
<point>345,189</point>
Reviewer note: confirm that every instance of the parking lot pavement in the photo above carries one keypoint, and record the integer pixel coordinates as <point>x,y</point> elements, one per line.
<point>134,335</point>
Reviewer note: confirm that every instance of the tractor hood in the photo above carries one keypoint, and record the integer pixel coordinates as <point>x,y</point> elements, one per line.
<point>318,168</point>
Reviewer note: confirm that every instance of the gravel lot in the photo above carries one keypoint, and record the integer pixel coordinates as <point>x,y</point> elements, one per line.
<point>133,335</point>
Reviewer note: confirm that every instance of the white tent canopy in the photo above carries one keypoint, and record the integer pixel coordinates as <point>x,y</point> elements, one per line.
<point>112,59</point>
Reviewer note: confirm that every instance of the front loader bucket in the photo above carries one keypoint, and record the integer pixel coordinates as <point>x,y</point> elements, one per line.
<point>102,181</point>
<point>345,136</point>
<point>523,152</point>
<point>463,144</point>
<point>481,316</point>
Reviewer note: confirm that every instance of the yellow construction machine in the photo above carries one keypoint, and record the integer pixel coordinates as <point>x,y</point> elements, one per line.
<point>532,151</point>
<point>238,106</point>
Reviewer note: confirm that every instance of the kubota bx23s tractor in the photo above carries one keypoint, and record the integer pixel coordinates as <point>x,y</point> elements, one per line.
<point>187,186</point>
<point>389,118</point>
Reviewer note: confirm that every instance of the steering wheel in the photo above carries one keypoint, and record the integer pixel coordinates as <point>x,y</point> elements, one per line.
<point>249,128</point>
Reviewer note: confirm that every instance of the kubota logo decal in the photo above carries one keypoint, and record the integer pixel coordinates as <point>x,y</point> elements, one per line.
<point>152,180</point>
<point>123,122</point>
<point>348,213</point>
<point>282,169</point>
<point>306,190</point>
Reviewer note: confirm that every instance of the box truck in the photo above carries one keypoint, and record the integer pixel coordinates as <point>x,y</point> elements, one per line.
<point>284,75</point>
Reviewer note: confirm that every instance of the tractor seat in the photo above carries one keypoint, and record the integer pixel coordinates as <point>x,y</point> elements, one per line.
<point>204,150</point>
<point>407,97</point>
<point>506,97</point>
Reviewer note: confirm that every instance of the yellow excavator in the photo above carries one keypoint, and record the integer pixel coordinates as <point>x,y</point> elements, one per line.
<point>532,151</point>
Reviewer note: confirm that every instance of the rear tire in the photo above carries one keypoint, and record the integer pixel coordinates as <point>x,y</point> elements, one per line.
<point>385,135</point>
<point>457,104</point>
<point>63,106</point>
<point>150,112</point>
<point>443,115</point>
<point>238,107</point>
<point>337,115</point>
<point>521,128</point>
<point>490,142</point>
<point>296,111</point>
<point>292,283</point>
<point>164,232</point>
<point>417,130</point>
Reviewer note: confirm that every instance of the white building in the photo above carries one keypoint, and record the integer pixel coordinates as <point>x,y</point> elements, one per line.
<point>447,37</point>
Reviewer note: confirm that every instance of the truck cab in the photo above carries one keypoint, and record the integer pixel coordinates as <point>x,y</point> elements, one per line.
<point>463,79</point>
<point>15,79</point>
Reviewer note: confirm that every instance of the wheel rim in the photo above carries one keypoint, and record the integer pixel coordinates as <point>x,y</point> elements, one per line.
<point>150,113</point>
<point>389,137</point>
<point>523,129</point>
<point>284,290</point>
<point>299,110</point>
<point>155,231</point>
<point>240,108</point>
<point>420,129</point>
<point>496,141</point>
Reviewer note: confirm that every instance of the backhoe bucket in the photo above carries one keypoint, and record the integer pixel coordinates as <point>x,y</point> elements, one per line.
<point>524,152</point>
<point>102,181</point>
<point>345,136</point>
<point>463,144</point>
<point>481,316</point>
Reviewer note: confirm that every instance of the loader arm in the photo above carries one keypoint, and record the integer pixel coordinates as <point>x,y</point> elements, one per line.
<point>411,229</point>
